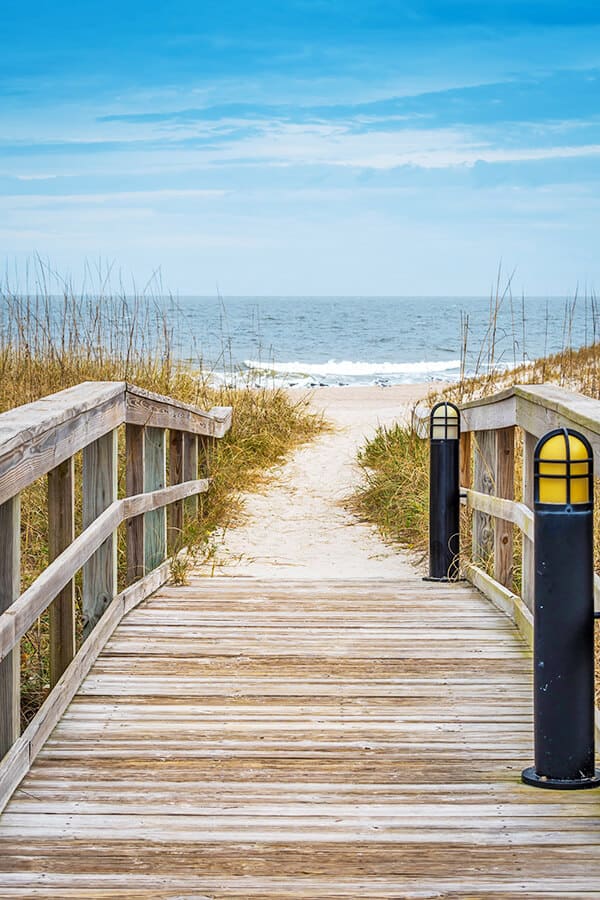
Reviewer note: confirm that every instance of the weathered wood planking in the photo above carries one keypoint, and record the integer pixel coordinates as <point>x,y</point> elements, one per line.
<point>175,510</point>
<point>134,474</point>
<point>155,478</point>
<point>153,410</point>
<point>61,533</point>
<point>10,588</point>
<point>23,612</point>
<point>37,437</point>
<point>100,462</point>
<point>262,770</point>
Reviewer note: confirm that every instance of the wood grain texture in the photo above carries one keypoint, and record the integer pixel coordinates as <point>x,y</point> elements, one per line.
<point>153,410</point>
<point>10,587</point>
<point>505,488</point>
<point>508,510</point>
<point>155,478</point>
<point>175,510</point>
<point>528,561</point>
<point>99,492</point>
<point>484,482</point>
<point>324,748</point>
<point>134,468</point>
<point>19,758</point>
<point>39,436</point>
<point>465,477</point>
<point>61,532</point>
<point>15,621</point>
<point>190,473</point>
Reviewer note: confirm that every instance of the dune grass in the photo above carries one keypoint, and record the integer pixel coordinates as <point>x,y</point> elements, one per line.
<point>110,336</point>
<point>394,491</point>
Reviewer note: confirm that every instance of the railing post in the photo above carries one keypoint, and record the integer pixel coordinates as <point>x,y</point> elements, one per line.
<point>155,477</point>
<point>134,484</point>
<point>99,491</point>
<point>61,532</point>
<point>528,559</point>
<point>484,478</point>
<point>465,459</point>
<point>175,510</point>
<point>505,487</point>
<point>190,471</point>
<point>10,588</point>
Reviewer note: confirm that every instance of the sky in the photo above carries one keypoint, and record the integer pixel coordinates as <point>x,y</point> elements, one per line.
<point>310,147</point>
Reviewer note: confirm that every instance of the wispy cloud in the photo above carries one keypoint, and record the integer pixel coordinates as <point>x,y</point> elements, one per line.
<point>300,135</point>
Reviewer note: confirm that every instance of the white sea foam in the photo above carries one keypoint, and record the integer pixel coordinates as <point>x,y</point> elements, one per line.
<point>349,369</point>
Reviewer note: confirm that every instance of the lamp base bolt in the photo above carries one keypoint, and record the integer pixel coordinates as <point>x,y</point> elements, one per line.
<point>530,776</point>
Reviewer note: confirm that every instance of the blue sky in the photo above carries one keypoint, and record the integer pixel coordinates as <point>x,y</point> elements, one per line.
<point>310,147</point>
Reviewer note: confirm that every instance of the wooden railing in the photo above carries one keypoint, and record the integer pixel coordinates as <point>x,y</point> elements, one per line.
<point>41,439</point>
<point>488,443</point>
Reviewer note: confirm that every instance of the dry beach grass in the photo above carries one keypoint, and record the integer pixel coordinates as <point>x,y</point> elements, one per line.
<point>105,337</point>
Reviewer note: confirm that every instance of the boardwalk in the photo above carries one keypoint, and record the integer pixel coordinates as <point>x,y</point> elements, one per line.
<point>240,738</point>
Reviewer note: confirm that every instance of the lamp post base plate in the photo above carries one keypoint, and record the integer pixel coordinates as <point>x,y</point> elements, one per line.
<point>530,776</point>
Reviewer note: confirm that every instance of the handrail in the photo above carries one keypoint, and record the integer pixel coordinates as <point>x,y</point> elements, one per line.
<point>37,437</point>
<point>21,614</point>
<point>536,408</point>
<point>41,439</point>
<point>487,446</point>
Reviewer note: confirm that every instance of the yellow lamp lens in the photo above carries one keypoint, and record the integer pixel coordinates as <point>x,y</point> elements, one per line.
<point>554,490</point>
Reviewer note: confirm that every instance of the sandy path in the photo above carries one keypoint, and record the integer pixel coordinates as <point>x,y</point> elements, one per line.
<point>298,525</point>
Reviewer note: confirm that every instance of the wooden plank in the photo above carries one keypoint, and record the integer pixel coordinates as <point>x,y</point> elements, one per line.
<point>465,459</point>
<point>505,488</point>
<point>14,766</point>
<point>206,448</point>
<point>15,621</point>
<point>508,510</point>
<point>10,585</point>
<point>61,533</point>
<point>134,469</point>
<point>190,472</point>
<point>510,604</point>
<point>484,481</point>
<point>155,478</point>
<point>176,476</point>
<point>247,775</point>
<point>99,492</point>
<point>39,436</point>
<point>528,557</point>
<point>489,413</point>
<point>153,410</point>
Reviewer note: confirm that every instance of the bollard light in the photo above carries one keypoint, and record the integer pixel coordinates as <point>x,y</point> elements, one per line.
<point>563,657</point>
<point>444,502</point>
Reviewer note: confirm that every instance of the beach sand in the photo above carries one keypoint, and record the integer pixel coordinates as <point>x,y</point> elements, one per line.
<point>297,527</point>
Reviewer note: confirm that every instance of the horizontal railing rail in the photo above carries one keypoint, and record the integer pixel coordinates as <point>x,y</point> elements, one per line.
<point>488,441</point>
<point>42,439</point>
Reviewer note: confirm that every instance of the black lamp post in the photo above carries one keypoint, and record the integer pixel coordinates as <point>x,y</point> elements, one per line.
<point>564,614</point>
<point>444,501</point>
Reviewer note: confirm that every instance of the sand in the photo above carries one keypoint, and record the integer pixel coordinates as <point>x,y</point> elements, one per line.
<point>298,525</point>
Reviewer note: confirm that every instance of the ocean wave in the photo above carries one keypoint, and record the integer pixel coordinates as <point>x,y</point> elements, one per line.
<point>349,369</point>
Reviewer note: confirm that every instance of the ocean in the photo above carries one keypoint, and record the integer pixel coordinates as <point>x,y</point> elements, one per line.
<point>311,341</point>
